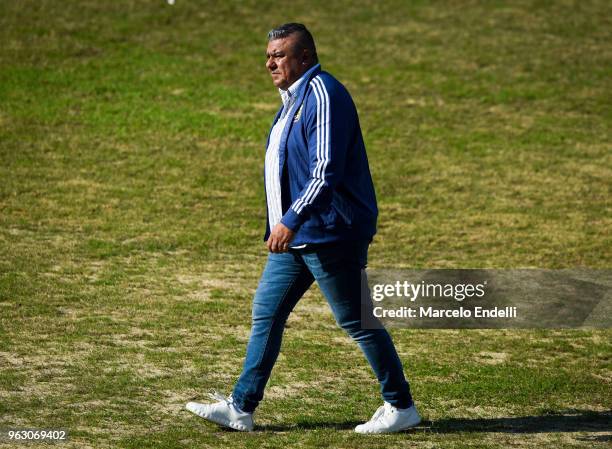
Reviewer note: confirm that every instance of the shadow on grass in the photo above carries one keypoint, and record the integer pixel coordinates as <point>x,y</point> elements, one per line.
<point>308,425</point>
<point>563,421</point>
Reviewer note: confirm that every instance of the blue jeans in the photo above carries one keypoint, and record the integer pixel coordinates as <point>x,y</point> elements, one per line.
<point>337,269</point>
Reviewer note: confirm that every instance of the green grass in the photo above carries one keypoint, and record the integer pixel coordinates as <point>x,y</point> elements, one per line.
<point>132,137</point>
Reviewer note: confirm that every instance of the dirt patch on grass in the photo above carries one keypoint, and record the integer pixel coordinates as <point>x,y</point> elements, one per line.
<point>491,358</point>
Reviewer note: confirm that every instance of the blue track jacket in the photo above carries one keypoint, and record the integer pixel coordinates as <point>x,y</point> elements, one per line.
<point>326,185</point>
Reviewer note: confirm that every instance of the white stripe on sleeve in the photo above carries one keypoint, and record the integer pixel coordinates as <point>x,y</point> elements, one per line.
<point>323,123</point>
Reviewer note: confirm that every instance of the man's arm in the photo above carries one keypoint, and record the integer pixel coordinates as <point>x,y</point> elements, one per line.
<point>329,124</point>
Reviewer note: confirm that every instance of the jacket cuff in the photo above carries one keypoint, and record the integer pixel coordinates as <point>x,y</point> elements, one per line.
<point>292,220</point>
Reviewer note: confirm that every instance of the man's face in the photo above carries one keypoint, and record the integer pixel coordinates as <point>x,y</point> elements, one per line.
<point>285,63</point>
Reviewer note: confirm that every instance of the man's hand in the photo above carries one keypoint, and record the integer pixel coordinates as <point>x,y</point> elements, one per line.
<point>279,239</point>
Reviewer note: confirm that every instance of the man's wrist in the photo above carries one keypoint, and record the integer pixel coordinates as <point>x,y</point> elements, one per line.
<point>292,220</point>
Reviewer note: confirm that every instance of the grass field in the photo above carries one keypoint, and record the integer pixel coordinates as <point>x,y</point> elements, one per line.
<point>132,137</point>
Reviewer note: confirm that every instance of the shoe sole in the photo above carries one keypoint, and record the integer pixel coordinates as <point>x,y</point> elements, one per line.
<point>221,422</point>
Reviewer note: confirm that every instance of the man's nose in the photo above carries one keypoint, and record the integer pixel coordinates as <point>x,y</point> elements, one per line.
<point>270,65</point>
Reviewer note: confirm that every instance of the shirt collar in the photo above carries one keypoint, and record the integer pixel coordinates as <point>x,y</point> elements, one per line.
<point>289,95</point>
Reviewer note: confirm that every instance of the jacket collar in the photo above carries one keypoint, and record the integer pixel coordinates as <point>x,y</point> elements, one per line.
<point>300,90</point>
<point>295,89</point>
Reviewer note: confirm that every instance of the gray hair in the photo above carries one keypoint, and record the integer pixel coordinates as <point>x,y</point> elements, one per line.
<point>304,41</point>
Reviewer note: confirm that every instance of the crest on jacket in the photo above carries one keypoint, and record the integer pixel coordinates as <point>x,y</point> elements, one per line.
<point>298,114</point>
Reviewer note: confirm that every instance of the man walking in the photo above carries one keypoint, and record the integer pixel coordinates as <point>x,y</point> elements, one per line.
<point>321,219</point>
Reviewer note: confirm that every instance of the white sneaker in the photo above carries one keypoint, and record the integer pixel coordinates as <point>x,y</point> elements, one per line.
<point>389,419</point>
<point>223,412</point>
